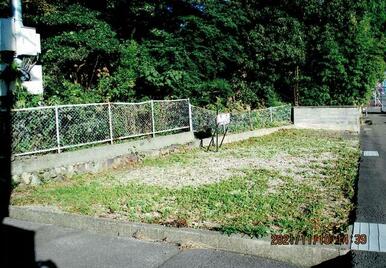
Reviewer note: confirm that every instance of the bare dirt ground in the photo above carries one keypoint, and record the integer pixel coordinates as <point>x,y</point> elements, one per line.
<point>200,167</point>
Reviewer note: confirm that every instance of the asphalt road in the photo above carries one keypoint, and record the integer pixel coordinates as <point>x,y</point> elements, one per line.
<point>55,246</point>
<point>371,198</point>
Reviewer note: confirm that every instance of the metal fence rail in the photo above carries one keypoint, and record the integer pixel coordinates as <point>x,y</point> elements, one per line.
<point>55,128</point>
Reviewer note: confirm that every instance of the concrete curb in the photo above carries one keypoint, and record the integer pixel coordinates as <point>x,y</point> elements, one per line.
<point>298,255</point>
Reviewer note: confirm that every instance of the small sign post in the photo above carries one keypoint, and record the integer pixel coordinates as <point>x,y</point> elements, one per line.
<point>222,119</point>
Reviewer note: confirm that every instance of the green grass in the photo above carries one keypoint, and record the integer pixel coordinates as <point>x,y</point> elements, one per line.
<point>244,203</point>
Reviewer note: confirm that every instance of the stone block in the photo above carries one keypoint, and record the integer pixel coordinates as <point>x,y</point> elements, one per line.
<point>26,178</point>
<point>35,180</point>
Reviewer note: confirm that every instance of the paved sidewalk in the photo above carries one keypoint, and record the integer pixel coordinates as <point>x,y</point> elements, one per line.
<point>65,247</point>
<point>371,199</point>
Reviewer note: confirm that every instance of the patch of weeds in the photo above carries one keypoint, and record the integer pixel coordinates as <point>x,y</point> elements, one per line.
<point>183,156</point>
<point>243,203</point>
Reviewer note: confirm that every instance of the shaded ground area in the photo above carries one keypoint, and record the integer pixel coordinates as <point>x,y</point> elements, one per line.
<point>293,181</point>
<point>64,247</point>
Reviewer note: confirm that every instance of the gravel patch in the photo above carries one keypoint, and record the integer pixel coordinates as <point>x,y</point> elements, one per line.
<point>208,168</point>
<point>298,162</point>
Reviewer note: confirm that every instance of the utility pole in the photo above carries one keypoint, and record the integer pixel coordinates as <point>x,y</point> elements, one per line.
<point>5,137</point>
<point>19,47</point>
<point>7,54</point>
<point>296,87</point>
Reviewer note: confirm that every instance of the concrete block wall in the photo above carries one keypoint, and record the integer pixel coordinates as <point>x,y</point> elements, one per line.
<point>331,118</point>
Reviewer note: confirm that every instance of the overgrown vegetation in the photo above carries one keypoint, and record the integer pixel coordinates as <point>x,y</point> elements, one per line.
<point>250,53</point>
<point>294,181</point>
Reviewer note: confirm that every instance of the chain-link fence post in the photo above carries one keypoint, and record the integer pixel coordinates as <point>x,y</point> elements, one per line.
<point>57,128</point>
<point>152,117</point>
<point>271,114</point>
<point>111,123</point>
<point>190,117</point>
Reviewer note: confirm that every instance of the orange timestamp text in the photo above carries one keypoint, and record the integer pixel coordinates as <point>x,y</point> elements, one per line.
<point>324,239</point>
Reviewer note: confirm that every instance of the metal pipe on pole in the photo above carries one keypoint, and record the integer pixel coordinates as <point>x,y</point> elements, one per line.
<point>17,11</point>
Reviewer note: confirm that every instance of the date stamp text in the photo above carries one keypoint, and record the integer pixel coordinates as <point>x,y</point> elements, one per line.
<point>327,239</point>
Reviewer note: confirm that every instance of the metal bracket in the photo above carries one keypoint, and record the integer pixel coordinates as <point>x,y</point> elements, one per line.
<point>215,135</point>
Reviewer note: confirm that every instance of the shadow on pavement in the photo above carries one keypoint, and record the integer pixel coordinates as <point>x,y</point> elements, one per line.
<point>341,261</point>
<point>19,248</point>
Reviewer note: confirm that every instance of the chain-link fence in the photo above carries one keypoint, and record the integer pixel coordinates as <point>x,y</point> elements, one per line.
<point>165,117</point>
<point>244,121</point>
<point>131,119</point>
<point>33,130</point>
<point>83,124</point>
<point>44,129</point>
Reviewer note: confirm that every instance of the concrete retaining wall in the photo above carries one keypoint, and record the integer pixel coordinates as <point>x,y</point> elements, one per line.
<point>332,118</point>
<point>34,169</point>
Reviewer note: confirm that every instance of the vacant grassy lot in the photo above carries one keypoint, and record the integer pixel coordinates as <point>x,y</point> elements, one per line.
<point>293,181</point>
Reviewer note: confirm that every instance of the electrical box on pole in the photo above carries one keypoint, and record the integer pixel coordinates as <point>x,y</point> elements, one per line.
<point>25,43</point>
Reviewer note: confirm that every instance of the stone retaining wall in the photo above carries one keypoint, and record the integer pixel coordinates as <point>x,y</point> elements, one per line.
<point>34,170</point>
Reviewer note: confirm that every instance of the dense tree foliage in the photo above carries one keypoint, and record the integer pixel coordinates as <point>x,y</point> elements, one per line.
<point>248,52</point>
